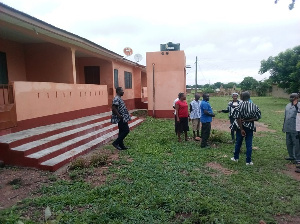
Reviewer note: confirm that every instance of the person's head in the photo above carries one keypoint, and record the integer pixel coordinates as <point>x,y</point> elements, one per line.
<point>205,96</point>
<point>181,96</point>
<point>235,96</point>
<point>245,96</point>
<point>294,97</point>
<point>197,96</point>
<point>119,91</point>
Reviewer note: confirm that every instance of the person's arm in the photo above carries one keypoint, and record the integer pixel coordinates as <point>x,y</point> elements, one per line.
<point>208,114</point>
<point>250,119</point>
<point>177,108</point>
<point>115,111</point>
<point>239,120</point>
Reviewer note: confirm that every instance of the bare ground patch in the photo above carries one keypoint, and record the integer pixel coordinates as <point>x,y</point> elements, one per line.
<point>290,171</point>
<point>224,124</point>
<point>287,219</point>
<point>220,168</point>
<point>17,183</point>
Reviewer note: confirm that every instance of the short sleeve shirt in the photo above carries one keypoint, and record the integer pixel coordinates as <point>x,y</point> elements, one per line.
<point>246,110</point>
<point>205,106</point>
<point>119,103</point>
<point>196,112</point>
<point>183,110</point>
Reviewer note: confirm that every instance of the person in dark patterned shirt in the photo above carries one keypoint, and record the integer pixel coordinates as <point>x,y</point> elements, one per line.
<point>245,114</point>
<point>120,116</point>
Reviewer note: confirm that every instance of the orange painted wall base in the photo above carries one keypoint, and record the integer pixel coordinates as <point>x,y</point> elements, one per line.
<point>161,113</point>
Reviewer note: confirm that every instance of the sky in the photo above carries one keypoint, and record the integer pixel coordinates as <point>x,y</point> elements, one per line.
<point>229,37</point>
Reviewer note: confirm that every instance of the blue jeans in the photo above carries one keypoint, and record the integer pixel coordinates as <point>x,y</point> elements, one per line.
<point>239,141</point>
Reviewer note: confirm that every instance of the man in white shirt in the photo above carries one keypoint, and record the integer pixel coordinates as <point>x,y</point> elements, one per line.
<point>175,113</point>
<point>195,114</point>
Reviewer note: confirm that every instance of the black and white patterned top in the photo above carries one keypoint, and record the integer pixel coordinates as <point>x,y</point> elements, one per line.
<point>119,103</point>
<point>230,107</point>
<point>245,110</point>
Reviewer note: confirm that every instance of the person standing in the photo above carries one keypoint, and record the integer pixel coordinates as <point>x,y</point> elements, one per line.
<point>176,125</point>
<point>195,114</point>
<point>182,116</point>
<point>120,116</point>
<point>206,119</point>
<point>245,114</point>
<point>289,127</point>
<point>298,132</point>
<point>231,105</point>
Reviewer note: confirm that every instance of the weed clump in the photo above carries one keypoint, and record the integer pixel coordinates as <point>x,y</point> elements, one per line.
<point>78,163</point>
<point>98,160</point>
<point>217,136</point>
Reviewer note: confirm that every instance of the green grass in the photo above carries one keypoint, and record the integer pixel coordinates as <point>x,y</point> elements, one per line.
<point>169,182</point>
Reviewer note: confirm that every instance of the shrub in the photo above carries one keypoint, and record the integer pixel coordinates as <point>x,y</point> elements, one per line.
<point>98,160</point>
<point>78,163</point>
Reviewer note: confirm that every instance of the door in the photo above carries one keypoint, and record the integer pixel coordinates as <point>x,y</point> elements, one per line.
<point>92,75</point>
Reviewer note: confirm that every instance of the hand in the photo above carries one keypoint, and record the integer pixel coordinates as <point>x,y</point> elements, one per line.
<point>243,133</point>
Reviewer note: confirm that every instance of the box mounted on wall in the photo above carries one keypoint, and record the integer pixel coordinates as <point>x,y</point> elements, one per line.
<point>170,47</point>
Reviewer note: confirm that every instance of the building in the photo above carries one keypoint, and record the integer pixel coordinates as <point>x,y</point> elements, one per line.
<point>49,75</point>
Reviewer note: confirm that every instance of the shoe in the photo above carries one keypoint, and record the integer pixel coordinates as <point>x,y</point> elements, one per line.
<point>298,166</point>
<point>251,164</point>
<point>289,158</point>
<point>233,159</point>
<point>297,162</point>
<point>297,170</point>
<point>116,146</point>
<point>125,147</point>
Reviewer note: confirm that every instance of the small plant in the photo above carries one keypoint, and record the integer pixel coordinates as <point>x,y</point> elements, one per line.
<point>48,214</point>
<point>217,136</point>
<point>52,177</point>
<point>16,183</point>
<point>78,163</point>
<point>98,160</point>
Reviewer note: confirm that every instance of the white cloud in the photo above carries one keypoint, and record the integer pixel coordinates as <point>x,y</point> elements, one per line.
<point>230,37</point>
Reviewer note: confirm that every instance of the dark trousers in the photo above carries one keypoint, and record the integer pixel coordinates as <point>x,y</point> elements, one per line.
<point>123,132</point>
<point>176,125</point>
<point>232,131</point>
<point>239,141</point>
<point>205,133</point>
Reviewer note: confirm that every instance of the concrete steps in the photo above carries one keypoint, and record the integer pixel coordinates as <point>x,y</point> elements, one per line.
<point>51,147</point>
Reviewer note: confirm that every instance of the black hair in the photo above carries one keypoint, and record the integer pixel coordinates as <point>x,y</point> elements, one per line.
<point>180,95</point>
<point>245,95</point>
<point>118,89</point>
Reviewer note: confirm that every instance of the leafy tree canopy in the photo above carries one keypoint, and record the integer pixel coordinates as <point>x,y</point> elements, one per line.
<point>249,83</point>
<point>291,6</point>
<point>218,84</point>
<point>284,69</point>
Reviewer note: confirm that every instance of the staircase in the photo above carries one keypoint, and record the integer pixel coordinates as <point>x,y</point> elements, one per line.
<point>52,146</point>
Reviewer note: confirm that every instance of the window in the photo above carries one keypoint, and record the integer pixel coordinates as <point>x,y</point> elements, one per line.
<point>128,80</point>
<point>92,74</point>
<point>3,69</point>
<point>116,78</point>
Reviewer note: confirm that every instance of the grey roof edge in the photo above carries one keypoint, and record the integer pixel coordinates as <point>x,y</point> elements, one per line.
<point>37,22</point>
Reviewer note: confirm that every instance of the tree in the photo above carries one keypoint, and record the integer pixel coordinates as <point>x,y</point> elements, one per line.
<point>263,87</point>
<point>218,84</point>
<point>284,69</point>
<point>291,6</point>
<point>230,85</point>
<point>249,83</point>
